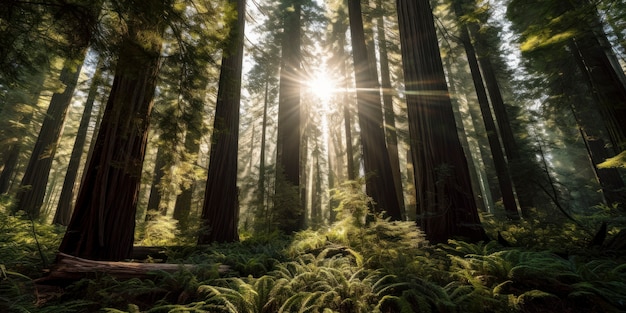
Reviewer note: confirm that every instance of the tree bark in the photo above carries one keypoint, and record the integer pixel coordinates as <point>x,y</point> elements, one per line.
<point>502,170</point>
<point>103,223</point>
<point>446,207</point>
<point>64,207</point>
<point>21,105</point>
<point>184,200</point>
<point>33,186</point>
<point>389,114</point>
<point>154,201</point>
<point>220,209</point>
<point>381,185</point>
<point>289,124</point>
<point>68,268</point>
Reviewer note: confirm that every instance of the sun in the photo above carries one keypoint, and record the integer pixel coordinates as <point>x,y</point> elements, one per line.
<point>322,86</point>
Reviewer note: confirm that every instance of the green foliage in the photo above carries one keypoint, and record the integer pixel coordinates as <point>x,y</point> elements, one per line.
<point>618,161</point>
<point>16,291</point>
<point>158,230</point>
<point>26,246</point>
<point>374,266</point>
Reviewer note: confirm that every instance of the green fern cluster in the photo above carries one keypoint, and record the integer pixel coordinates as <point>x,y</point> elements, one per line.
<point>515,279</point>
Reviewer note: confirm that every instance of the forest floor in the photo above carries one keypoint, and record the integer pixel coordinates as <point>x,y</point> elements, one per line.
<point>382,267</point>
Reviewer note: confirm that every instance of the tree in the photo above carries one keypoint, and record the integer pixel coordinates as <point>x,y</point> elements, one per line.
<point>502,170</point>
<point>380,186</point>
<point>64,207</point>
<point>103,221</point>
<point>446,207</point>
<point>32,191</point>
<point>16,118</point>
<point>221,206</point>
<point>576,28</point>
<point>289,120</point>
<point>568,59</point>
<point>389,114</point>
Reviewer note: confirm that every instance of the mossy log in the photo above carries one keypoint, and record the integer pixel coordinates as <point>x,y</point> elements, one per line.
<point>69,268</point>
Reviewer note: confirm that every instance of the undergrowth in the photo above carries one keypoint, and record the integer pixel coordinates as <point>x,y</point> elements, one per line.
<point>362,263</point>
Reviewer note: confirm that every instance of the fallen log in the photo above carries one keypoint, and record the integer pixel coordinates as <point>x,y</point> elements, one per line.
<point>69,268</point>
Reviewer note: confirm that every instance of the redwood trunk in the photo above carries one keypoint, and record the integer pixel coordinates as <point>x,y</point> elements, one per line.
<point>504,178</point>
<point>31,195</point>
<point>389,114</point>
<point>381,185</point>
<point>103,223</point>
<point>220,210</point>
<point>64,208</point>
<point>289,124</point>
<point>446,207</point>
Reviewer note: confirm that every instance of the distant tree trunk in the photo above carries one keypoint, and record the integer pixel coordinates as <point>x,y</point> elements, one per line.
<point>605,80</point>
<point>21,107</point>
<point>64,208</point>
<point>103,223</point>
<point>154,201</point>
<point>446,207</point>
<point>389,114</point>
<point>261,187</point>
<point>33,186</point>
<point>184,200</point>
<point>220,209</point>
<point>502,170</point>
<point>289,158</point>
<point>612,184</point>
<point>340,29</point>
<point>478,176</point>
<point>524,191</point>
<point>381,185</point>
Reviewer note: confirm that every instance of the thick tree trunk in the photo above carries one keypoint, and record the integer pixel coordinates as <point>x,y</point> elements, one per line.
<point>446,207</point>
<point>381,185</point>
<point>221,206</point>
<point>103,223</point>
<point>33,186</point>
<point>64,208</point>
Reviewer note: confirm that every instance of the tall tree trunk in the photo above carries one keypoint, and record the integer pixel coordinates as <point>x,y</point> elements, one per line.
<point>289,128</point>
<point>289,141</point>
<point>389,114</point>
<point>261,190</point>
<point>446,206</point>
<point>340,28</point>
<point>64,207</point>
<point>524,191</point>
<point>103,223</point>
<point>221,207</point>
<point>381,185</point>
<point>478,174</point>
<point>502,170</point>
<point>33,186</point>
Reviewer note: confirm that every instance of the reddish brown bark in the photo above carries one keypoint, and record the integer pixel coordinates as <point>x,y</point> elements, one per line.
<point>446,207</point>
<point>221,206</point>
<point>103,223</point>
<point>376,161</point>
